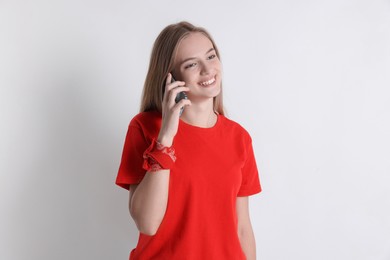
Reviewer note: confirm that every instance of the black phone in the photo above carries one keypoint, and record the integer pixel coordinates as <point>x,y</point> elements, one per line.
<point>180,96</point>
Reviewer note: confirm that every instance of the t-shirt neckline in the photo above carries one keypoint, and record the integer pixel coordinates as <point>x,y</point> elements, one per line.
<point>198,128</point>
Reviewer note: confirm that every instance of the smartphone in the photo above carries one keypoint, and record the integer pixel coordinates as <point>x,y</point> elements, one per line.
<point>180,96</point>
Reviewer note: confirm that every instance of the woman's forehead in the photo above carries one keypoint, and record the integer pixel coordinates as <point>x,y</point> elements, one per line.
<point>194,45</point>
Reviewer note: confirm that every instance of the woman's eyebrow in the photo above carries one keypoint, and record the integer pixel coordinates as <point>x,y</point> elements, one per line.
<point>211,49</point>
<point>192,58</point>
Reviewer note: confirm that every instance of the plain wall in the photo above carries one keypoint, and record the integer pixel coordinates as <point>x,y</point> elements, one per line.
<point>308,79</point>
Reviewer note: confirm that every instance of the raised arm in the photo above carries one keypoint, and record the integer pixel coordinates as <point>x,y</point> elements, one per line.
<point>148,199</point>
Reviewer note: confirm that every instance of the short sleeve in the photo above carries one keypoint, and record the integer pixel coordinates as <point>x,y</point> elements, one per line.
<point>250,184</point>
<point>130,169</point>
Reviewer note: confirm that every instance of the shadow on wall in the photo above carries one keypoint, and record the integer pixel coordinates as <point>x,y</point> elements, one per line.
<point>70,207</point>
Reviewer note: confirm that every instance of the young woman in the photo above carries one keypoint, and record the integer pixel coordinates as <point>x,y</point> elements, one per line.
<point>188,168</point>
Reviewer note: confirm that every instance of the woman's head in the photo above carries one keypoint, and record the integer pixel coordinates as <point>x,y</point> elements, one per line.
<point>174,52</point>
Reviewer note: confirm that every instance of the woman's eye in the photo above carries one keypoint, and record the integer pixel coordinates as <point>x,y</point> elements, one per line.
<point>212,57</point>
<point>190,65</point>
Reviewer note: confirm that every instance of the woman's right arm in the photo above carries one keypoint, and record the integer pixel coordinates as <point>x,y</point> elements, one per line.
<point>148,199</point>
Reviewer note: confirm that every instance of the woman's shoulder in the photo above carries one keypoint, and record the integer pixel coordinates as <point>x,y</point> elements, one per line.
<point>145,119</point>
<point>233,126</point>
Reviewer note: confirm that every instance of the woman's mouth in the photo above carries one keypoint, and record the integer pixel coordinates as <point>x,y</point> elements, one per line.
<point>208,82</point>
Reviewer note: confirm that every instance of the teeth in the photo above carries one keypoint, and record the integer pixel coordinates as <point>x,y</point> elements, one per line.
<point>209,82</point>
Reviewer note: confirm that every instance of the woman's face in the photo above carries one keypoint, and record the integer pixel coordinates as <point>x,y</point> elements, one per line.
<point>197,64</point>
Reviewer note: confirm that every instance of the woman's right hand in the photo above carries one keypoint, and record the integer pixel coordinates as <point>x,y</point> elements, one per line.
<point>171,110</point>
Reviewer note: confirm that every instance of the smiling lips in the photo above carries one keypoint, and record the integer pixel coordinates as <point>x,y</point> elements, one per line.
<point>207,83</point>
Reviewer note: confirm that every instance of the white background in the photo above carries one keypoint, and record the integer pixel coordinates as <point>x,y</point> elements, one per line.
<point>308,79</point>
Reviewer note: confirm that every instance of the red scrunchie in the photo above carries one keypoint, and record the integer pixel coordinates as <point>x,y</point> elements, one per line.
<point>158,157</point>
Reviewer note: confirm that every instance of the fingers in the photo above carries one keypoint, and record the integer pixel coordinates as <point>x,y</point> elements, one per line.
<point>172,89</point>
<point>182,103</point>
<point>175,92</point>
<point>171,85</point>
<point>169,79</point>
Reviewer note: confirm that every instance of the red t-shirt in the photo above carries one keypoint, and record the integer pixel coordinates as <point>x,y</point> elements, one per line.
<point>213,166</point>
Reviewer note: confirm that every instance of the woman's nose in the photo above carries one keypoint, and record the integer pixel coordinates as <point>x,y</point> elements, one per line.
<point>206,68</point>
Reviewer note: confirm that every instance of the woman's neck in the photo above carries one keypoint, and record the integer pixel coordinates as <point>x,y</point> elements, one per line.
<point>200,114</point>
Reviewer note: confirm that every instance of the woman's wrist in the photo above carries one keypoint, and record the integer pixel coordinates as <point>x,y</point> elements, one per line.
<point>165,141</point>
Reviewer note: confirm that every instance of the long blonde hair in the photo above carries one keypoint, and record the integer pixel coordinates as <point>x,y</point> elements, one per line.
<point>161,63</point>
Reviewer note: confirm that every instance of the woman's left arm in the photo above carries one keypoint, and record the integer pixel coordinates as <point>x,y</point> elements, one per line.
<point>245,231</point>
